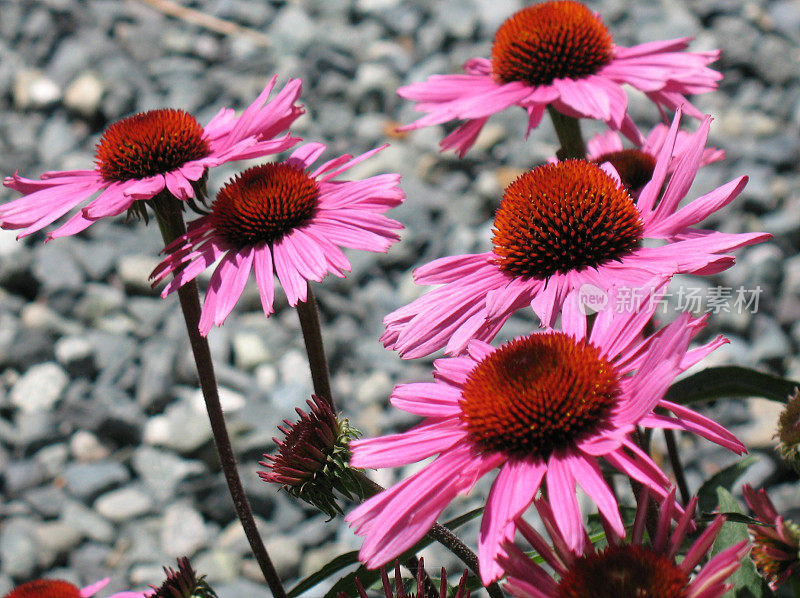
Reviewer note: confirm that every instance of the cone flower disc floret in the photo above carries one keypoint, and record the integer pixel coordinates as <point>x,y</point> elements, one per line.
<point>560,54</point>
<point>562,226</point>
<point>57,588</point>
<point>282,219</point>
<point>544,409</point>
<point>623,569</point>
<point>142,156</point>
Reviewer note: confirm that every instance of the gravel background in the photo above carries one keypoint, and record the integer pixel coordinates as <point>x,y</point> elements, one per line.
<point>106,463</point>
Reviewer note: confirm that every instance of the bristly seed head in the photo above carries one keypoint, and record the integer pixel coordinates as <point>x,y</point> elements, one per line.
<point>562,217</point>
<point>538,394</point>
<point>624,570</point>
<point>150,143</point>
<point>264,203</point>
<point>635,167</point>
<point>45,588</point>
<point>552,40</point>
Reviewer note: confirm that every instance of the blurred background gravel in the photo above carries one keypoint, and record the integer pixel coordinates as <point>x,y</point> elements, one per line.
<point>106,460</point>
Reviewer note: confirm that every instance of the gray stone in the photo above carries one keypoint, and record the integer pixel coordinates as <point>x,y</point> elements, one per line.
<point>162,471</point>
<point>33,90</point>
<point>55,538</point>
<point>85,446</point>
<point>76,355</point>
<point>48,501</point>
<point>18,550</point>
<point>84,94</point>
<point>181,428</point>
<point>134,272</point>
<point>39,388</point>
<point>22,474</point>
<point>157,373</point>
<point>86,521</point>
<point>184,532</point>
<point>124,504</point>
<point>87,480</point>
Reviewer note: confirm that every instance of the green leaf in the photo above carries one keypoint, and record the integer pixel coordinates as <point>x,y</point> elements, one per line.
<point>746,581</point>
<point>730,381</point>
<point>337,564</point>
<point>725,478</point>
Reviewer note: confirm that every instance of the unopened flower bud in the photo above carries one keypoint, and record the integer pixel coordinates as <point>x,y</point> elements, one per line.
<point>312,459</point>
<point>789,432</point>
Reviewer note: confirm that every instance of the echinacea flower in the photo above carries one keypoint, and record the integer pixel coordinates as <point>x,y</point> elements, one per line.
<point>280,218</point>
<point>560,54</point>
<point>562,226</point>
<point>312,459</point>
<point>776,544</point>
<point>544,409</point>
<point>623,569</point>
<point>635,166</point>
<point>144,155</point>
<point>421,589</point>
<point>58,588</point>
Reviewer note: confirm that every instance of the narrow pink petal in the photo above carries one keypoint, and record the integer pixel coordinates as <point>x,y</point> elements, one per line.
<point>512,492</point>
<point>352,162</point>
<point>561,493</point>
<point>293,283</point>
<point>178,185</point>
<point>697,210</point>
<point>701,546</point>
<point>265,276</point>
<point>146,188</point>
<point>207,255</point>
<point>587,473</point>
<point>395,519</point>
<point>652,190</point>
<point>435,435</point>
<point>306,154</point>
<point>428,399</point>
<point>225,288</point>
<point>92,589</point>
<point>463,137</point>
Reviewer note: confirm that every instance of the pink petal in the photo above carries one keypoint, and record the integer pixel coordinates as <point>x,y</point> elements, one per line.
<point>512,492</point>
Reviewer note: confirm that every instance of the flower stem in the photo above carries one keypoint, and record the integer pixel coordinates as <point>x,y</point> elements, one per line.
<point>568,130</point>
<point>677,466</point>
<point>312,336</point>
<point>440,534</point>
<point>170,221</point>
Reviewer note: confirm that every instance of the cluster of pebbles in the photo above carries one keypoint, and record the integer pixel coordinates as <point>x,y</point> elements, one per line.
<point>106,461</point>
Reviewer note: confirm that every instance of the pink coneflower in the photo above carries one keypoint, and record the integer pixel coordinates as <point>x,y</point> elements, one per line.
<point>635,166</point>
<point>280,218</point>
<point>623,569</point>
<point>144,155</point>
<point>560,54</point>
<point>543,408</point>
<point>776,544</point>
<point>562,226</point>
<point>57,588</point>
